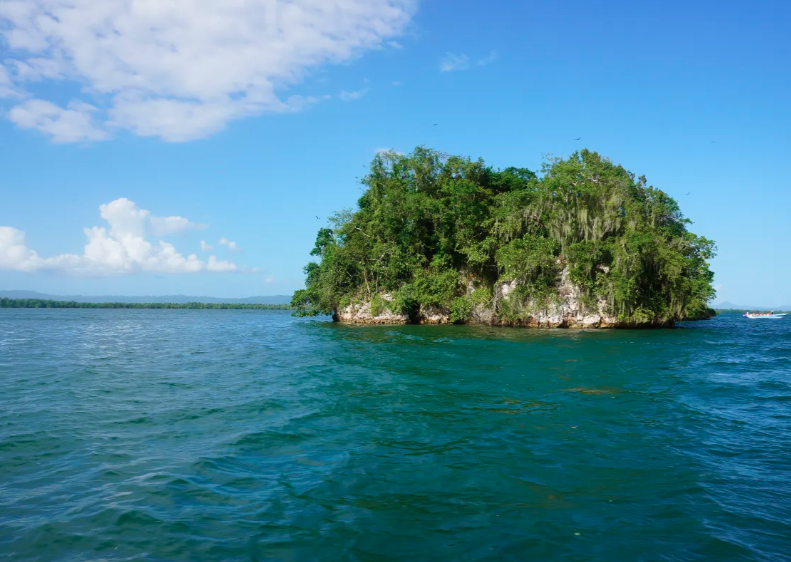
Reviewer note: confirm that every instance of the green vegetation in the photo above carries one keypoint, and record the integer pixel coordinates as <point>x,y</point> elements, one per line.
<point>38,303</point>
<point>429,225</point>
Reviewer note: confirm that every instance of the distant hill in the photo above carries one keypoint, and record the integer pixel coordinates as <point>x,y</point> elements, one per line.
<point>271,299</point>
<point>731,306</point>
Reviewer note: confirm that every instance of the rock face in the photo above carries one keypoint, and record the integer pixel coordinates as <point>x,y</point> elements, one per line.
<point>431,315</point>
<point>567,311</point>
<point>361,314</point>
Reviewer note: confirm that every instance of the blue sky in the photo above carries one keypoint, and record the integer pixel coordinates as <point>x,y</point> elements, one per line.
<point>244,121</point>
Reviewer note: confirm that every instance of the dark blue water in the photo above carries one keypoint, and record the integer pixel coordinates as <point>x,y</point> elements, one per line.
<point>249,435</point>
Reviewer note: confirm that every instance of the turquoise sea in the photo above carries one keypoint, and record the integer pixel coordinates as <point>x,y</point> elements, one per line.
<point>214,435</point>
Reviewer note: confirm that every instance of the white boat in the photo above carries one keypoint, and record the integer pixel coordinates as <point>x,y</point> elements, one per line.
<point>769,314</point>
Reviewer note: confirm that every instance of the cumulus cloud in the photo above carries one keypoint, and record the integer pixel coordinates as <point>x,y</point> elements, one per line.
<point>121,247</point>
<point>124,216</point>
<point>229,243</point>
<point>179,69</point>
<point>14,254</point>
<point>205,247</point>
<point>451,61</point>
<point>218,265</point>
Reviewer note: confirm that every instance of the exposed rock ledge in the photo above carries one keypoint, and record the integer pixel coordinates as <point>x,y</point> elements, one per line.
<point>361,314</point>
<point>568,312</point>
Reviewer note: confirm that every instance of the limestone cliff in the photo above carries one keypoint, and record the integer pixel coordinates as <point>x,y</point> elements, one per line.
<point>568,310</point>
<point>361,313</point>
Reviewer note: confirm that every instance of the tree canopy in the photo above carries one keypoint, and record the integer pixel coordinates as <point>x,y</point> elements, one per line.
<point>428,224</point>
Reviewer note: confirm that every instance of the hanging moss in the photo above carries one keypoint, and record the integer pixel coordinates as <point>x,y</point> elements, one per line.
<point>428,224</point>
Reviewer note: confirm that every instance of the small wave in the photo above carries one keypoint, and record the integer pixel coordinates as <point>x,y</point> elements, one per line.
<point>135,517</point>
<point>596,391</point>
<point>268,438</point>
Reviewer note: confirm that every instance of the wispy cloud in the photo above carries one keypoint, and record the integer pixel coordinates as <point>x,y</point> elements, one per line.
<point>490,58</point>
<point>205,247</point>
<point>351,96</point>
<point>388,151</point>
<point>181,69</point>
<point>7,88</point>
<point>453,61</point>
<point>73,124</point>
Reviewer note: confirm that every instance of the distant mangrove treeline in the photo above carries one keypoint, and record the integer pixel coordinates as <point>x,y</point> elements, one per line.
<point>39,303</point>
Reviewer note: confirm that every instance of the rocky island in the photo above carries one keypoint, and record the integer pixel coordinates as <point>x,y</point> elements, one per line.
<point>442,239</point>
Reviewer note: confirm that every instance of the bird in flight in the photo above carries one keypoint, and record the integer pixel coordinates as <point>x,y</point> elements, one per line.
<point>318,218</point>
<point>435,124</point>
<point>578,138</point>
<point>689,193</point>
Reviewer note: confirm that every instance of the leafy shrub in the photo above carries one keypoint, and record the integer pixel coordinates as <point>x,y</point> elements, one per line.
<point>427,221</point>
<point>461,310</point>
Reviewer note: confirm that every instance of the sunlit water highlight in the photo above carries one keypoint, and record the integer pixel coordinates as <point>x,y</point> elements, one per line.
<point>249,435</point>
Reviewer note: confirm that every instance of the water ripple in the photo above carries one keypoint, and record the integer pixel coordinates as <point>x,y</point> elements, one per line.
<point>250,435</point>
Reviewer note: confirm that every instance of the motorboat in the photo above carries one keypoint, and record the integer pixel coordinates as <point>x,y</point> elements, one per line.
<point>767,314</point>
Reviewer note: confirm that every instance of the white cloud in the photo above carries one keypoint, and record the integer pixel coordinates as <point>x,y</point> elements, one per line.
<point>63,125</point>
<point>451,61</point>
<point>35,69</point>
<point>487,60</point>
<point>351,96</point>
<point>125,217</point>
<point>120,249</point>
<point>388,151</point>
<point>163,226</point>
<point>14,254</point>
<point>217,265</point>
<point>7,88</point>
<point>229,243</point>
<point>205,247</point>
<point>180,69</point>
